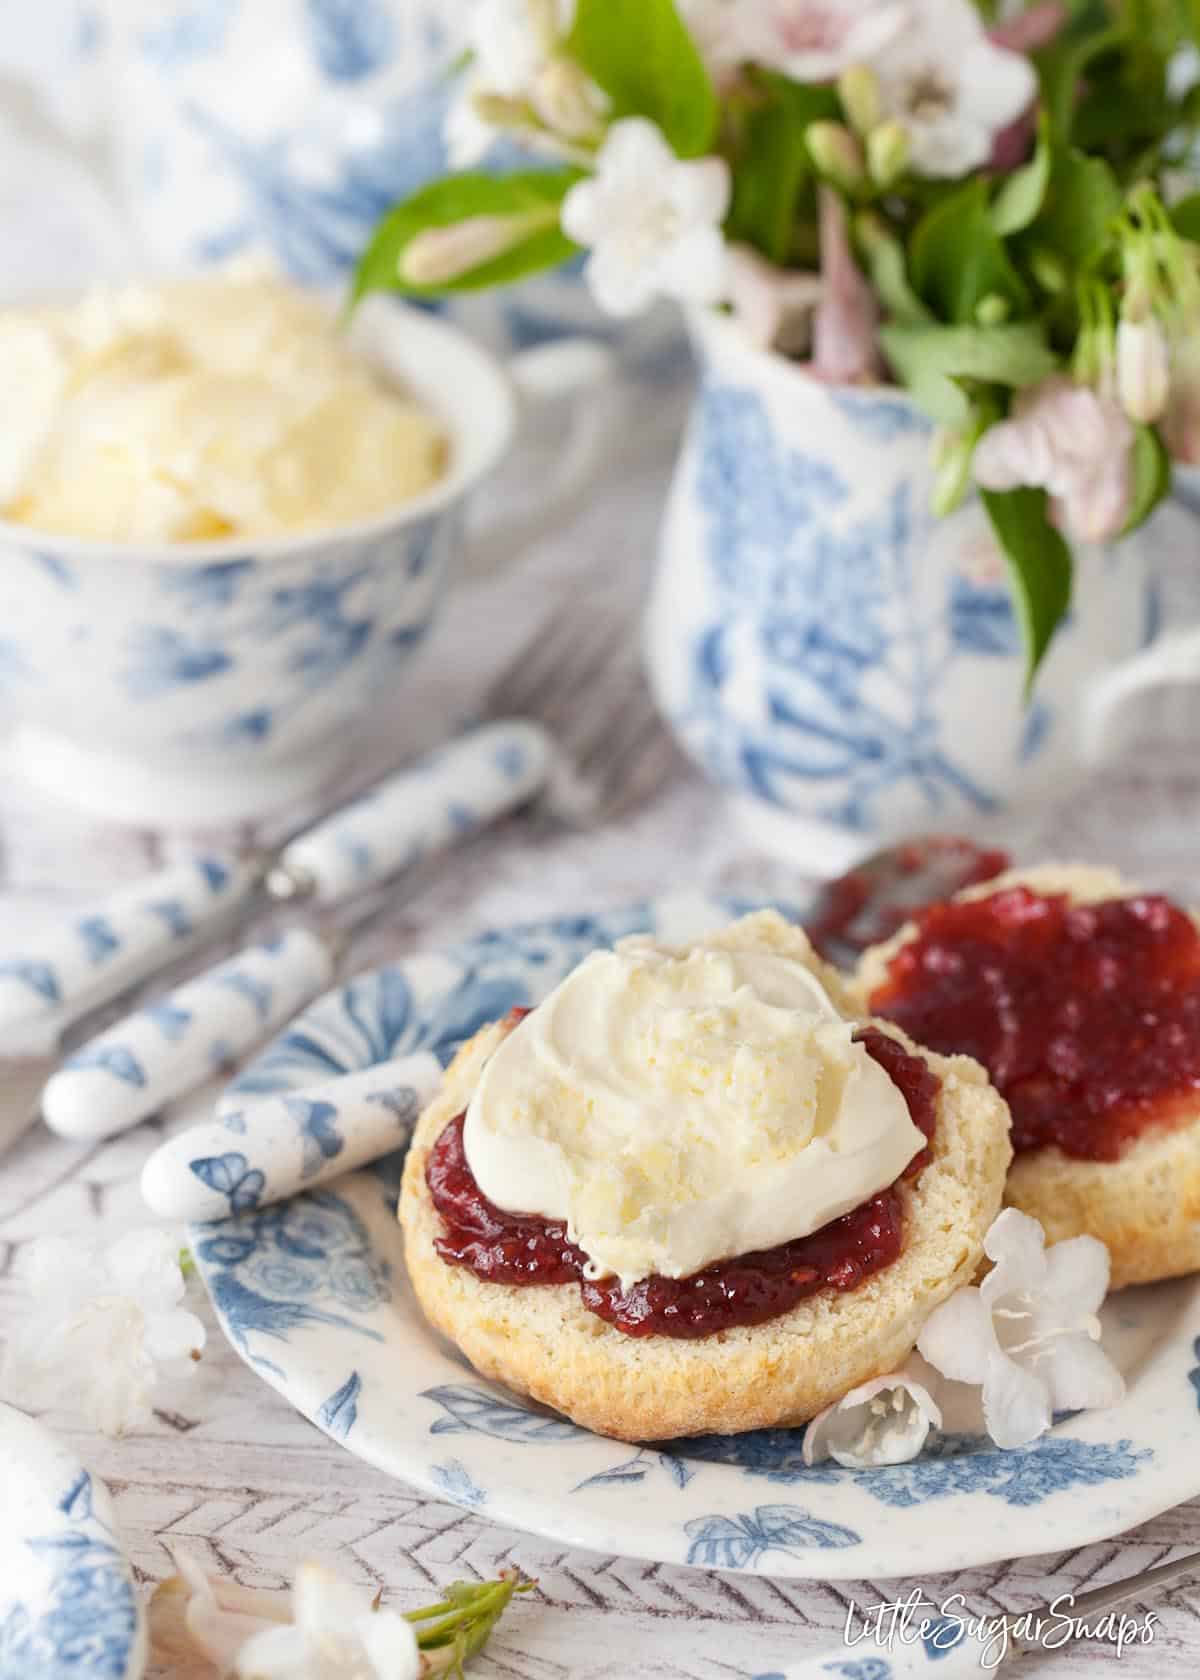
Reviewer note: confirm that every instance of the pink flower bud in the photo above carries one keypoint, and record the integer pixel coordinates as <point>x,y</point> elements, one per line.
<point>439,255</point>
<point>845,329</point>
<point>1143,369</point>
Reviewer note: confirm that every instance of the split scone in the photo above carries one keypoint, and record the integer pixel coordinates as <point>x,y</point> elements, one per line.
<point>690,1194</point>
<point>1081,996</point>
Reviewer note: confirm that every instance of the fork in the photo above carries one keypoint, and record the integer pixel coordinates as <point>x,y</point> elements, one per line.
<point>559,683</point>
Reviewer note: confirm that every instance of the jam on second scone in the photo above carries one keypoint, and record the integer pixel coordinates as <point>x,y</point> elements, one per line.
<point>513,1248</point>
<point>1086,1017</point>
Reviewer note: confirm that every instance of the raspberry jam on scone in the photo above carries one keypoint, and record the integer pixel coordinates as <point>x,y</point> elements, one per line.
<point>1087,1017</point>
<point>524,1249</point>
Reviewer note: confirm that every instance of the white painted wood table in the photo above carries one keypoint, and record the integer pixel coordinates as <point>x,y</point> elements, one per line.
<point>231,1472</point>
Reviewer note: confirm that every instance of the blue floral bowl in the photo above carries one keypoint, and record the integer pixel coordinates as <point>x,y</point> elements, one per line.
<point>205,683</point>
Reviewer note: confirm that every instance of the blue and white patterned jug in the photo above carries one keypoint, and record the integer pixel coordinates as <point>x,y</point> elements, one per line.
<point>823,646</point>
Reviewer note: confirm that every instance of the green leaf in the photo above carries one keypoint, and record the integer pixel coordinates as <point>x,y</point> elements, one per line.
<point>1024,192</point>
<point>1039,564</point>
<point>883,256</point>
<point>772,164</point>
<point>957,258</point>
<point>1083,201</point>
<point>445,203</point>
<point>1186,215</point>
<point>1151,476</point>
<point>1060,67</point>
<point>929,360</point>
<point>644,58</point>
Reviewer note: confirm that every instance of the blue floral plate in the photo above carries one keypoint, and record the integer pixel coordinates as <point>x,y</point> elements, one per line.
<point>313,1296</point>
<point>68,1604</point>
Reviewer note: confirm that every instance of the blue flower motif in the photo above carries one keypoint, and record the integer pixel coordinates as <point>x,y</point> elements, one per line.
<point>1194,1373</point>
<point>163,659</point>
<point>338,1415</point>
<point>401,1101</point>
<point>351,38</point>
<point>173,914</point>
<point>88,1626</point>
<point>456,1482</point>
<point>247,727</point>
<point>99,940</point>
<point>213,873</point>
<point>741,1542</point>
<point>860,1668</point>
<point>171,1021</point>
<point>317,226</point>
<point>473,1410</point>
<point>231,1175</point>
<point>882,418</point>
<point>55,567</point>
<point>38,976</point>
<point>982,618</point>
<point>257,992</point>
<point>212,586</point>
<point>1019,1476</point>
<point>319,1135</point>
<point>193,32</point>
<point>277,1267</point>
<point>109,1058</point>
<point>822,615</point>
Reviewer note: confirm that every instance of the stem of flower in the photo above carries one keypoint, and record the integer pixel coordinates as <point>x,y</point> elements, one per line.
<point>459,1626</point>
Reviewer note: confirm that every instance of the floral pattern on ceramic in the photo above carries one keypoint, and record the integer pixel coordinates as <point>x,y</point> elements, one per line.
<point>276,1277</point>
<point>69,1609</point>
<point>821,643</point>
<point>59,972</point>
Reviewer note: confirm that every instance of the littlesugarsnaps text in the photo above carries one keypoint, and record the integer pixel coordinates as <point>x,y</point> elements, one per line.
<point>942,1627</point>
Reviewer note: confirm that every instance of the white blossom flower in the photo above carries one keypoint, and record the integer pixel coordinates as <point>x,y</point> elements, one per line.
<point>198,1623</point>
<point>815,40</point>
<point>951,87</point>
<point>1029,1335</point>
<point>336,1633</point>
<point>884,1421</point>
<point>514,46</point>
<point>1071,441</point>
<point>653,223</point>
<point>105,1326</point>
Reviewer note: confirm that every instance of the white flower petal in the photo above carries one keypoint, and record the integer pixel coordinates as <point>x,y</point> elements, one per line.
<point>995,85</point>
<point>279,1653</point>
<point>1082,1376</point>
<point>958,1339</point>
<point>694,268</point>
<point>1077,1273</point>
<point>1017,1244</point>
<point>321,1601</point>
<point>579,215</point>
<point>884,1421</point>
<point>390,1645</point>
<point>1016,1403</point>
<point>144,1265</point>
<point>174,1337</point>
<point>701,191</point>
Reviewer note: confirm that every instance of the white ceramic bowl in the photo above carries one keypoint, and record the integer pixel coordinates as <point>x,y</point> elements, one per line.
<point>205,683</point>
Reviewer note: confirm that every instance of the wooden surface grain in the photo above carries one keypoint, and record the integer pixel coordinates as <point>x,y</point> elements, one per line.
<point>228,1470</point>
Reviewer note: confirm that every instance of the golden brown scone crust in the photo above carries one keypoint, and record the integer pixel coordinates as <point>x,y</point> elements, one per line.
<point>1144,1206</point>
<point>542,1341</point>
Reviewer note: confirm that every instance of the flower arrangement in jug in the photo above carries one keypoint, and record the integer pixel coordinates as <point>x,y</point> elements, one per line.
<point>977,201</point>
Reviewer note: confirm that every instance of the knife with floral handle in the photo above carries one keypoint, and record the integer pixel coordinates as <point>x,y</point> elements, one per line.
<point>174,1044</point>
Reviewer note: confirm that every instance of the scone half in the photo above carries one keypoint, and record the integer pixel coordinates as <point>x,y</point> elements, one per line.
<point>541,1340</point>
<point>1145,1206</point>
